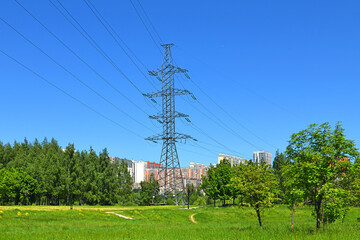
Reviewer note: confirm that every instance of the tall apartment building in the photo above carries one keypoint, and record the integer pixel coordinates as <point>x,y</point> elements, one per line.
<point>262,155</point>
<point>234,161</point>
<point>143,171</point>
<point>194,173</point>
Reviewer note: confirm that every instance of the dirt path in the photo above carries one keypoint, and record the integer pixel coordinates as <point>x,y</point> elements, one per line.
<point>192,218</point>
<point>119,215</point>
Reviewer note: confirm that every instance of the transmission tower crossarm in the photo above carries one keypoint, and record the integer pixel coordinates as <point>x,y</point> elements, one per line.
<point>161,93</point>
<point>161,116</point>
<point>182,136</point>
<point>159,137</point>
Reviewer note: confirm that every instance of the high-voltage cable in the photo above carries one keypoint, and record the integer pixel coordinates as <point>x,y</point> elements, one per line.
<point>207,135</point>
<point>230,116</point>
<point>74,76</point>
<point>228,77</point>
<point>103,22</point>
<point>95,44</point>
<point>69,95</point>
<point>82,60</point>
<point>147,29</point>
<point>149,20</point>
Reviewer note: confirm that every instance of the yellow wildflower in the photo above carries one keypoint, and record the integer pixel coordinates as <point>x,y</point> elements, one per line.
<point>1,213</point>
<point>19,214</point>
<point>26,214</point>
<point>80,214</point>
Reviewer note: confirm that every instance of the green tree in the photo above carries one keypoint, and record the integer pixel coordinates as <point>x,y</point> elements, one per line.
<point>148,191</point>
<point>279,163</point>
<point>292,186</point>
<point>257,184</point>
<point>217,182</point>
<point>16,186</point>
<point>70,158</point>
<point>224,173</point>
<point>125,182</point>
<point>325,159</point>
<point>210,184</point>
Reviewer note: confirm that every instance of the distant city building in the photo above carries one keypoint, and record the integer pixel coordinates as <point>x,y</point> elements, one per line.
<point>144,171</point>
<point>234,161</point>
<point>137,170</point>
<point>152,170</point>
<point>262,156</point>
<point>194,173</point>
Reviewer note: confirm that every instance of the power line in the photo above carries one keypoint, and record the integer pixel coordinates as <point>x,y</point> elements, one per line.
<point>94,43</point>
<point>103,22</point>
<point>224,125</point>
<point>219,122</point>
<point>244,86</point>
<point>82,60</point>
<point>69,95</point>
<point>149,20</point>
<point>186,150</point>
<point>122,41</point>
<point>230,116</point>
<point>206,143</point>
<point>74,76</point>
<point>147,29</point>
<point>207,135</point>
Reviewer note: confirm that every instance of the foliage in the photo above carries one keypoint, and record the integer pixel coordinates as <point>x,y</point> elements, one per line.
<point>279,163</point>
<point>44,173</point>
<point>217,182</point>
<point>148,191</point>
<point>323,160</point>
<point>210,184</point>
<point>200,201</point>
<point>257,184</point>
<point>16,187</point>
<point>292,186</point>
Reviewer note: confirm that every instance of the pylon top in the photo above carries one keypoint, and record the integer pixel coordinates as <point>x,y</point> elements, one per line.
<point>167,45</point>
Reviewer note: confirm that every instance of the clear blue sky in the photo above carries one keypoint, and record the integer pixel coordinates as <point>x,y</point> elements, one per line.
<point>275,66</point>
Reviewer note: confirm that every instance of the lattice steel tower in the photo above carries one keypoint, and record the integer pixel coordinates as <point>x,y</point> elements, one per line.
<point>170,175</point>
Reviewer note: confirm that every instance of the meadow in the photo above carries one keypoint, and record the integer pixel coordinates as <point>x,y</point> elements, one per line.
<point>167,222</point>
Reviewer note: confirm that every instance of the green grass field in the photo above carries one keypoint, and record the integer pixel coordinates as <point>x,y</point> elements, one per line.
<point>167,222</point>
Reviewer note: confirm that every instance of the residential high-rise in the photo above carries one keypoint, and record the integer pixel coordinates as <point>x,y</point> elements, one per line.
<point>262,156</point>
<point>234,161</point>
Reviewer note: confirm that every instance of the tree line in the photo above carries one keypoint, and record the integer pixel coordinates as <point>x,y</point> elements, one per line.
<point>320,168</point>
<point>45,174</point>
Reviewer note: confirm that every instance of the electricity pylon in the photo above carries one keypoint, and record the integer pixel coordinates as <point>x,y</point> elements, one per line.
<point>169,175</point>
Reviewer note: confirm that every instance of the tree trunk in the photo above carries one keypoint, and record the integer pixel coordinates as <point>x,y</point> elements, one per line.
<point>214,202</point>
<point>224,202</point>
<point>322,215</point>
<point>343,216</point>
<point>318,213</point>
<point>259,217</point>
<point>293,217</point>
